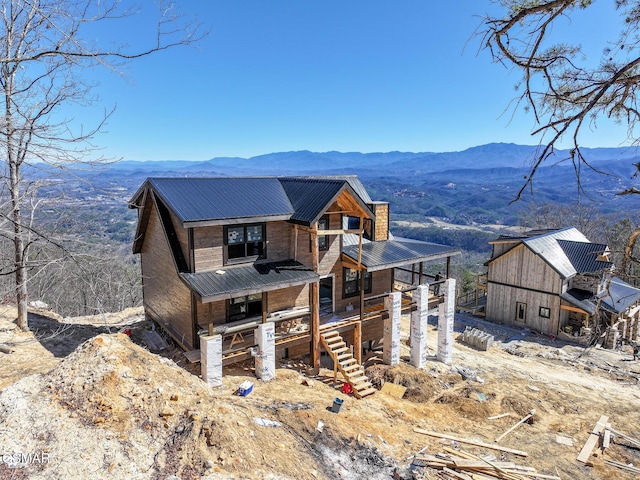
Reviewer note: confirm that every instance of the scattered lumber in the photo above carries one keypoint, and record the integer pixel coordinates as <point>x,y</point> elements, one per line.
<point>461,465</point>
<point>633,441</point>
<point>522,420</point>
<point>502,415</point>
<point>622,466</point>
<point>471,442</point>
<point>593,439</point>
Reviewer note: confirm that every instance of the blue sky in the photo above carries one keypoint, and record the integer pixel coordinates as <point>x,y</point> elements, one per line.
<point>356,75</point>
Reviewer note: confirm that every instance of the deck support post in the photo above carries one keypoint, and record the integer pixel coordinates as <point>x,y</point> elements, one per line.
<point>315,323</point>
<point>419,322</point>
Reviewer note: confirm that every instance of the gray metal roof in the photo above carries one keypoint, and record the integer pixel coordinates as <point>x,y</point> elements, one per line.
<point>392,253</point>
<point>248,279</point>
<point>619,295</point>
<point>209,199</point>
<point>580,299</point>
<point>548,248</point>
<point>310,196</point>
<point>584,256</point>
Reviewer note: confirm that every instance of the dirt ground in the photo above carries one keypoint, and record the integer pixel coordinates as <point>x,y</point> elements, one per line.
<point>86,401</point>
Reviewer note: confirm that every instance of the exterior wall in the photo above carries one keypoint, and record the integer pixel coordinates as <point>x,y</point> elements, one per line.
<point>500,248</point>
<point>208,248</point>
<point>166,299</point>
<point>327,259</point>
<point>279,241</point>
<point>276,300</point>
<point>208,244</point>
<point>520,276</point>
<point>589,283</point>
<point>501,307</point>
<point>382,283</point>
<point>523,268</point>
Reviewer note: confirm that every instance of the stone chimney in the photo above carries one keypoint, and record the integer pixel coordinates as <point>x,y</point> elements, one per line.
<point>381,226</point>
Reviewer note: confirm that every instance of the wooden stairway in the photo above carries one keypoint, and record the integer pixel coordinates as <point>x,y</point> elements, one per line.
<point>343,361</point>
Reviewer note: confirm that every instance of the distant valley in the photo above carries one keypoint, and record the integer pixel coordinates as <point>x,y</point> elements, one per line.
<point>471,187</point>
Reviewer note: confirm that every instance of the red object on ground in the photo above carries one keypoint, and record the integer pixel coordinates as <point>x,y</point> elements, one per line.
<point>127,332</point>
<point>346,389</point>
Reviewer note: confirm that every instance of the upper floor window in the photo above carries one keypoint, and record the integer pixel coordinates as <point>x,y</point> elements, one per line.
<point>323,240</point>
<point>245,242</point>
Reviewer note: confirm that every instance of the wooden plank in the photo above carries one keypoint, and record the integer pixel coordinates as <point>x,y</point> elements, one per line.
<point>593,439</point>
<point>522,420</point>
<point>502,415</point>
<point>471,442</point>
<point>629,468</point>
<point>606,439</point>
<point>622,435</point>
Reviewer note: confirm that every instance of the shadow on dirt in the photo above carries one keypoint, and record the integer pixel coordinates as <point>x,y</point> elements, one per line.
<point>63,338</point>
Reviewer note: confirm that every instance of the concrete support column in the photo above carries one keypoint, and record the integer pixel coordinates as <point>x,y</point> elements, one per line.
<point>211,359</point>
<point>419,321</point>
<point>391,347</point>
<point>265,336</point>
<point>446,313</point>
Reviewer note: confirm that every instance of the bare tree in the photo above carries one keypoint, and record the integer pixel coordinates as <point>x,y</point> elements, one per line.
<point>565,89</point>
<point>45,46</point>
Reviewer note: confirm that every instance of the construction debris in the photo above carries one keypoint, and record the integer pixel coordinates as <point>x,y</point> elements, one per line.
<point>524,419</point>
<point>470,442</point>
<point>593,439</point>
<point>461,465</point>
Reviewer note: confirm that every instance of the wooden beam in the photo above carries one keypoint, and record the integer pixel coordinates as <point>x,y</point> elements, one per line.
<point>471,442</point>
<point>357,342</point>
<point>593,439</point>
<point>573,309</point>
<point>524,419</point>
<point>315,323</point>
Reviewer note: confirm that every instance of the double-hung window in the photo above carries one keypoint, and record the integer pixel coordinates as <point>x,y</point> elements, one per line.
<point>245,242</point>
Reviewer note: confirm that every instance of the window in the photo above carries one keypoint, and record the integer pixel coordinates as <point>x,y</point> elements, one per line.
<point>351,282</point>
<point>323,240</point>
<point>545,312</point>
<point>245,242</point>
<point>244,307</point>
<point>521,311</point>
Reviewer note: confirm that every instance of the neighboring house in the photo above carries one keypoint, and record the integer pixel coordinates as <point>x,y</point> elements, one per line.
<point>556,281</point>
<point>224,254</point>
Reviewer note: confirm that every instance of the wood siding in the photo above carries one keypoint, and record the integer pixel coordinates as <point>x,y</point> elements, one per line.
<point>520,276</point>
<point>166,299</point>
<point>327,259</point>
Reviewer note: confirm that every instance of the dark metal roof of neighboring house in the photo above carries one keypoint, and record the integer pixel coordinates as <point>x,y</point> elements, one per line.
<point>248,279</point>
<point>619,295</point>
<point>310,196</point>
<point>393,253</point>
<point>196,200</point>
<point>584,256</point>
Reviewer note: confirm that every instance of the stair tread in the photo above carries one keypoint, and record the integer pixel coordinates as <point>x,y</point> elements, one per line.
<point>330,334</point>
<point>340,350</point>
<point>345,356</point>
<point>332,340</point>
<point>359,380</point>
<point>366,392</point>
<point>352,368</point>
